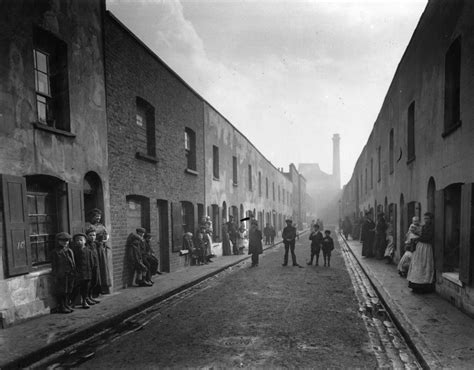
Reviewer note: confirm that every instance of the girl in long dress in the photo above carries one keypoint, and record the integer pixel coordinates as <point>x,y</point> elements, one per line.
<point>421,272</point>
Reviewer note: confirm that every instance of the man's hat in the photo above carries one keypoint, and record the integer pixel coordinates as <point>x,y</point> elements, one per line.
<point>140,230</point>
<point>63,235</point>
<point>288,220</point>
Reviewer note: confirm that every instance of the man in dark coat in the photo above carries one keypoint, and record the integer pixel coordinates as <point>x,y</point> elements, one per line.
<point>255,242</point>
<point>367,236</point>
<point>289,237</point>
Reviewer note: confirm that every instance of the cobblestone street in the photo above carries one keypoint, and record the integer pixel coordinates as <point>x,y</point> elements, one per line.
<point>270,316</point>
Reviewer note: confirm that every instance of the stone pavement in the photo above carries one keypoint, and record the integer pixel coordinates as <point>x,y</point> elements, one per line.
<point>442,335</point>
<point>32,340</point>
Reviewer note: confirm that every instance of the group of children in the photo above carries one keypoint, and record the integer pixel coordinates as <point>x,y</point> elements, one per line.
<point>320,242</point>
<point>76,269</point>
<point>141,257</point>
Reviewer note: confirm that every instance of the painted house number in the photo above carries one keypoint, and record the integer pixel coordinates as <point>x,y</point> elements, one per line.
<point>20,245</point>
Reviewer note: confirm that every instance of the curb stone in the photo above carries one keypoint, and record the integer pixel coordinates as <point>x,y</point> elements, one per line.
<point>427,358</point>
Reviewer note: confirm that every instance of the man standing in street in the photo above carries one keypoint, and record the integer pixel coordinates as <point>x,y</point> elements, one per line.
<point>289,236</point>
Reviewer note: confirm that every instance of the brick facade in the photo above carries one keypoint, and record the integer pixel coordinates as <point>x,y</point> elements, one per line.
<point>134,71</point>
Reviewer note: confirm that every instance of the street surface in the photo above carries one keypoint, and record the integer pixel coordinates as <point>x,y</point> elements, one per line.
<point>268,316</point>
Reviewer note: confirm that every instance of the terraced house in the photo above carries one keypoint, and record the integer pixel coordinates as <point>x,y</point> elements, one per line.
<point>419,154</point>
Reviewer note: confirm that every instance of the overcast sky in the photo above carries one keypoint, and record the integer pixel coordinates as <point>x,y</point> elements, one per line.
<point>287,74</point>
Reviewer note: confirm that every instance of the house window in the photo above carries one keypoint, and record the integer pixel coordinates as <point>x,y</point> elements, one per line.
<point>145,122</point>
<point>273,189</point>
<point>379,164</point>
<point>190,148</point>
<point>250,177</point>
<point>366,180</point>
<point>234,171</point>
<point>390,151</point>
<point>411,133</point>
<point>215,162</point>
<point>259,184</point>
<point>452,87</point>
<point>187,213</point>
<point>41,194</point>
<point>371,173</point>
<point>283,196</point>
<point>278,193</point>
<point>51,80</point>
<point>266,187</point>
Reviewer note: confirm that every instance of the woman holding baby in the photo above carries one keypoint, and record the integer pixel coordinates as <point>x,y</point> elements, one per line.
<point>421,271</point>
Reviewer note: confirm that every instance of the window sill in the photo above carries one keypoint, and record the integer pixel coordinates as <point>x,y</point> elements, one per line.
<point>452,277</point>
<point>191,172</point>
<point>146,157</point>
<point>235,184</point>
<point>411,160</point>
<point>40,270</point>
<point>215,178</point>
<point>451,129</point>
<point>43,127</point>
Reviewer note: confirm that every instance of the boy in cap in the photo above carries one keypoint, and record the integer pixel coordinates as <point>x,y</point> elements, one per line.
<point>63,271</point>
<point>328,246</point>
<point>316,238</point>
<point>134,248</point>
<point>83,258</point>
<point>95,275</point>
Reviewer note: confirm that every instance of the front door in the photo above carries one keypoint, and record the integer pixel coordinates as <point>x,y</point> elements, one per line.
<point>163,236</point>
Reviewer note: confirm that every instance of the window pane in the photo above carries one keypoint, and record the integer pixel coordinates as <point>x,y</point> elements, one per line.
<point>40,204</point>
<point>42,83</point>
<point>139,120</point>
<point>41,104</point>
<point>41,61</point>
<point>31,204</point>
<point>33,225</point>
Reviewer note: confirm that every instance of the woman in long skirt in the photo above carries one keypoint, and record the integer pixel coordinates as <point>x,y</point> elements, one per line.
<point>421,272</point>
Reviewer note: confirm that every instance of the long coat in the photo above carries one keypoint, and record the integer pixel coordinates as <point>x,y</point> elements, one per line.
<point>255,242</point>
<point>367,238</point>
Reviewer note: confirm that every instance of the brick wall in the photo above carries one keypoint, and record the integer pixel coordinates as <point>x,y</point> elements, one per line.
<point>133,71</point>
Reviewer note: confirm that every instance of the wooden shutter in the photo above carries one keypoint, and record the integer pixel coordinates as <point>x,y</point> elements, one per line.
<point>75,208</point>
<point>439,230</point>
<point>465,240</point>
<point>16,225</point>
<point>177,220</point>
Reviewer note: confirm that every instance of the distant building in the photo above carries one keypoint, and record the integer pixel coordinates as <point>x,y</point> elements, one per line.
<point>324,188</point>
<point>419,156</point>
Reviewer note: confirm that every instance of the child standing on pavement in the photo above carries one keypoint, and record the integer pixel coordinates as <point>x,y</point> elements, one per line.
<point>316,238</point>
<point>63,271</point>
<point>328,246</point>
<point>83,258</point>
<point>95,277</point>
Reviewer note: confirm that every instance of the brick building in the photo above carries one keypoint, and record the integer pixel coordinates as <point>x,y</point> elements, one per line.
<point>419,154</point>
<point>239,179</point>
<point>156,150</point>
<point>53,157</point>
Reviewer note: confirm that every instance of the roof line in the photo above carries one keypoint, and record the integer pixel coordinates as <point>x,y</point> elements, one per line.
<point>155,56</point>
